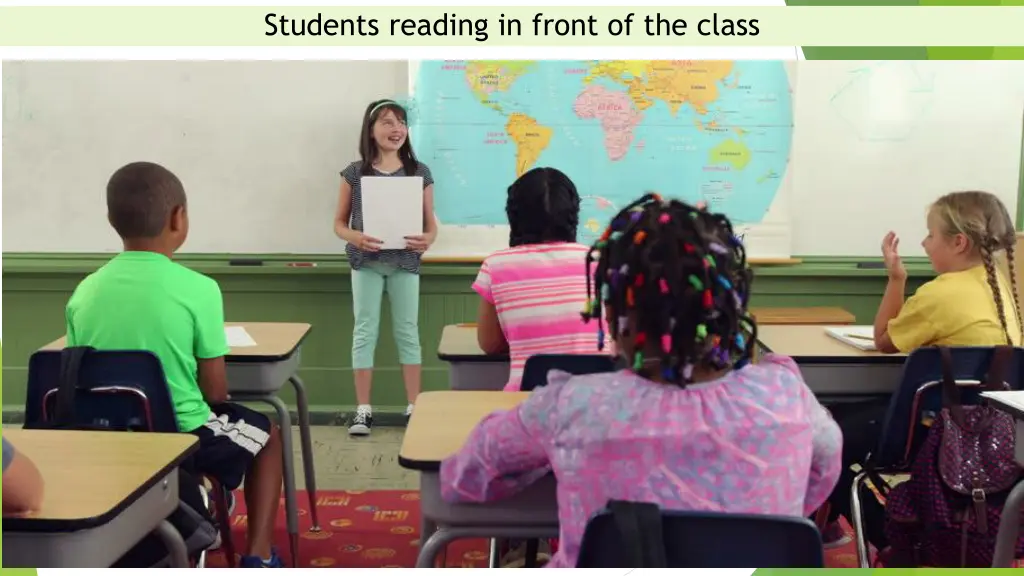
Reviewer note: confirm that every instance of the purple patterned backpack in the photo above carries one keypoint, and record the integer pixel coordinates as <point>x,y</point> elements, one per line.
<point>947,513</point>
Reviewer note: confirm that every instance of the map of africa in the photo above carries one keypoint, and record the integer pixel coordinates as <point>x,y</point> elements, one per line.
<point>713,131</point>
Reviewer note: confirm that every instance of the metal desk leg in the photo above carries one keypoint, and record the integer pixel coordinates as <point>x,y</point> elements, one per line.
<point>492,557</point>
<point>291,511</point>
<point>176,550</point>
<point>427,529</point>
<point>305,435</point>
<point>1009,523</point>
<point>431,547</point>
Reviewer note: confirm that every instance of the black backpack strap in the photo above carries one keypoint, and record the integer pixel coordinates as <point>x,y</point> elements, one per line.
<point>640,527</point>
<point>950,392</point>
<point>70,363</point>
<point>995,380</point>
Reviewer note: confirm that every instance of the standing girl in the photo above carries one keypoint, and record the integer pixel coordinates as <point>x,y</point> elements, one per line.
<point>384,150</point>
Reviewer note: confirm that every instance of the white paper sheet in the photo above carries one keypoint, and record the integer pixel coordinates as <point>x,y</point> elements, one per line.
<point>861,337</point>
<point>238,337</point>
<point>1013,399</point>
<point>392,208</point>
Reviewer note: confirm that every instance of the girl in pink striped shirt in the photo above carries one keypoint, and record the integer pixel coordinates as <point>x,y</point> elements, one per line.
<point>531,292</point>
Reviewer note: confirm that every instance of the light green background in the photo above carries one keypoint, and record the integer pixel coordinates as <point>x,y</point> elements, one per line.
<point>36,286</point>
<point>800,23</point>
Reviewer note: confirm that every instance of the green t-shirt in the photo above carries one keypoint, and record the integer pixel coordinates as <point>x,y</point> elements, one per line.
<point>146,301</point>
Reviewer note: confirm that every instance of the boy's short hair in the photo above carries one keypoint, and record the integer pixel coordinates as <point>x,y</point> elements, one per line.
<point>140,199</point>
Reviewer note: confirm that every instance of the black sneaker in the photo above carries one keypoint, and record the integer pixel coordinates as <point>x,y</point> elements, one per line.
<point>361,423</point>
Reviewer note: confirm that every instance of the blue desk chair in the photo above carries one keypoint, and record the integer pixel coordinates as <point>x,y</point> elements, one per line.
<point>635,535</point>
<point>918,399</point>
<point>83,388</point>
<point>535,371</point>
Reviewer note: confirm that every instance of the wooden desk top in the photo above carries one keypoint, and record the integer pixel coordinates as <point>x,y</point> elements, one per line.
<point>811,342</point>
<point>274,341</point>
<point>442,421</point>
<point>817,315</point>
<point>458,344</point>
<point>90,477</point>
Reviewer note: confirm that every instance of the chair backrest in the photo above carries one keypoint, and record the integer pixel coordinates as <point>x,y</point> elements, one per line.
<point>710,540</point>
<point>919,396</point>
<point>119,390</point>
<point>535,371</point>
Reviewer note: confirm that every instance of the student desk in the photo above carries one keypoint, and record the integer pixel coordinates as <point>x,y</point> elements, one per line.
<point>438,428</point>
<point>104,491</point>
<point>256,374</point>
<point>469,367</point>
<point>1013,510</point>
<point>820,315</point>
<point>830,367</point>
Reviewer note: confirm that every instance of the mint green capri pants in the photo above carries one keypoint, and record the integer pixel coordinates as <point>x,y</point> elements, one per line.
<point>369,284</point>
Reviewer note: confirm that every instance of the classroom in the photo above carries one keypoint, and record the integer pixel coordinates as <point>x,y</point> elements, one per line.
<point>816,195</point>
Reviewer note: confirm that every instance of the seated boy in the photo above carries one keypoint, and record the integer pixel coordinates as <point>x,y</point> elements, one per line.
<point>142,300</point>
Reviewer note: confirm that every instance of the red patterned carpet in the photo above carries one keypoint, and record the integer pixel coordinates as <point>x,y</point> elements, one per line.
<point>372,529</point>
<point>380,528</point>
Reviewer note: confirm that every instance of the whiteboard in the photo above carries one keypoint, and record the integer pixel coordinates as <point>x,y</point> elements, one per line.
<point>877,142</point>
<point>258,145</point>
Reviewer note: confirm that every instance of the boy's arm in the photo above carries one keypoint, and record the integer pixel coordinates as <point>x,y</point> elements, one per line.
<point>213,380</point>
<point>22,483</point>
<point>211,346</point>
<point>502,456</point>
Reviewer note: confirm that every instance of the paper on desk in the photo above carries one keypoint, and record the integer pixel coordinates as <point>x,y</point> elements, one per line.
<point>238,337</point>
<point>1012,398</point>
<point>860,337</point>
<point>392,208</point>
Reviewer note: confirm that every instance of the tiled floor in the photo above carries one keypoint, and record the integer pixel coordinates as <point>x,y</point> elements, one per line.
<point>345,463</point>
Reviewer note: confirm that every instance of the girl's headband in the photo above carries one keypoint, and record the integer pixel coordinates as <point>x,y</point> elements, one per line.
<point>382,104</point>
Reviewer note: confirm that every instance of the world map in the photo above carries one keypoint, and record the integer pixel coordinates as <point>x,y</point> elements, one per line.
<point>712,131</point>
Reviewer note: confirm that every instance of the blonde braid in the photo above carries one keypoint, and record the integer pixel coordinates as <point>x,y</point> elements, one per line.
<point>1011,260</point>
<point>993,282</point>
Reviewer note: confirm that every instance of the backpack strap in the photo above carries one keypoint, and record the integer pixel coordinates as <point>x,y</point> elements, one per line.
<point>995,380</point>
<point>950,392</point>
<point>70,364</point>
<point>639,525</point>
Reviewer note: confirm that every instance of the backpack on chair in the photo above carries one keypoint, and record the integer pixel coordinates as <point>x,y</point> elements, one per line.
<point>191,519</point>
<point>947,513</point>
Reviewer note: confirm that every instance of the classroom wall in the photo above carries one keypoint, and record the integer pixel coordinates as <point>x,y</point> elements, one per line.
<point>36,287</point>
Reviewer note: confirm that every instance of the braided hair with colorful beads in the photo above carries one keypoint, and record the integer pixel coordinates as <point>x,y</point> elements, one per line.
<point>674,284</point>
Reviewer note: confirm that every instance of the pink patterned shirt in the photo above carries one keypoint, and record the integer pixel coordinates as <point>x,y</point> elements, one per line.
<point>754,441</point>
<point>538,291</point>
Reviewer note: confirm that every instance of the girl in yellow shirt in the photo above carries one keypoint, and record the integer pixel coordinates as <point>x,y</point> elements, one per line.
<point>969,303</point>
